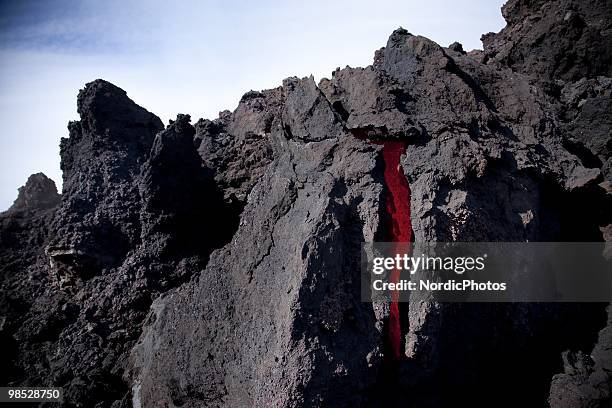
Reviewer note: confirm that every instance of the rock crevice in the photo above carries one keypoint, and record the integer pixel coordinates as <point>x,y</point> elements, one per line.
<point>217,264</point>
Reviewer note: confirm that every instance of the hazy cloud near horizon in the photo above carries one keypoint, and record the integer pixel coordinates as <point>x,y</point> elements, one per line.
<point>195,57</point>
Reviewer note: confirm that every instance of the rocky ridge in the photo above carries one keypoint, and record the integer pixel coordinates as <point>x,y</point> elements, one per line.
<point>217,264</point>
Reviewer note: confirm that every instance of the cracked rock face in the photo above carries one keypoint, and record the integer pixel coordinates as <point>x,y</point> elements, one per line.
<point>288,307</point>
<point>218,264</point>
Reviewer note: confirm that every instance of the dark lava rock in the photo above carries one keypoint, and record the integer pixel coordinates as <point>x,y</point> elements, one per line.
<point>586,378</point>
<point>24,232</point>
<point>218,264</point>
<point>562,40</point>
<point>98,221</point>
<point>276,315</point>
<point>39,193</point>
<point>136,203</point>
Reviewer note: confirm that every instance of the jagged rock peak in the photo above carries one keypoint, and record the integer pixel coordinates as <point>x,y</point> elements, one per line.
<point>174,146</point>
<point>182,124</point>
<point>113,131</point>
<point>96,92</point>
<point>39,192</point>
<point>399,32</point>
<point>104,107</point>
<point>457,47</point>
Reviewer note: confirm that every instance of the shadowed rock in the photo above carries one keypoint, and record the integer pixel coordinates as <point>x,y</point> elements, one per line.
<point>218,264</point>
<point>39,193</point>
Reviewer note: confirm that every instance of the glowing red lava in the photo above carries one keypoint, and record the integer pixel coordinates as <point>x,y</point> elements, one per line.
<point>398,208</point>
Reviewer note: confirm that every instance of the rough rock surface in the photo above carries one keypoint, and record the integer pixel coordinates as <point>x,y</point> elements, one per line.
<point>288,308</point>
<point>138,216</point>
<point>218,264</point>
<point>24,231</point>
<point>586,378</point>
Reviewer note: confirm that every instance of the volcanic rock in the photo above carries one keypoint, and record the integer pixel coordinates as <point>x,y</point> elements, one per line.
<point>219,264</point>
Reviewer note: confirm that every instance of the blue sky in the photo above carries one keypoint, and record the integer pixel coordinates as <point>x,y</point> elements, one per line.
<point>194,56</point>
